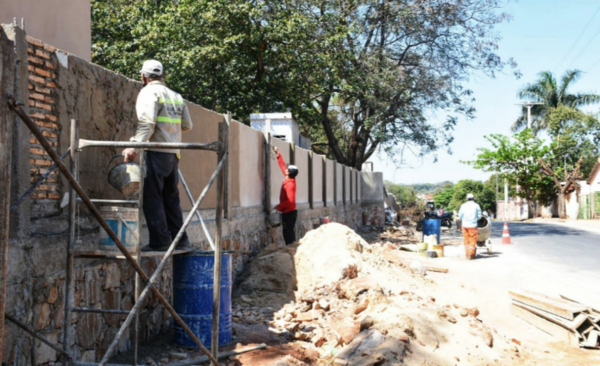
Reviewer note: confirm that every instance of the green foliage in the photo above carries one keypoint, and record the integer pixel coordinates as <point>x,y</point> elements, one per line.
<point>358,75</point>
<point>453,196</point>
<point>552,94</point>
<point>405,195</point>
<point>444,196</point>
<point>516,158</point>
<point>575,134</point>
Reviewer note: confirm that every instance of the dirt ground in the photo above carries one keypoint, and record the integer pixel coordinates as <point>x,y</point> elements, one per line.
<point>345,298</point>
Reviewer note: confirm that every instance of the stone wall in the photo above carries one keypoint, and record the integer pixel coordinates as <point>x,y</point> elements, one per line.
<point>58,87</point>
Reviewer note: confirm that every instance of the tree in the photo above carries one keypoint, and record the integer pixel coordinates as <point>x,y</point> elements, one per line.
<point>517,158</point>
<point>358,75</point>
<point>483,195</point>
<point>576,136</point>
<point>552,94</point>
<point>444,196</point>
<point>406,196</point>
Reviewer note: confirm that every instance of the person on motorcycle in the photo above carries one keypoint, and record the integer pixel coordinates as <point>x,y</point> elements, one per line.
<point>469,214</point>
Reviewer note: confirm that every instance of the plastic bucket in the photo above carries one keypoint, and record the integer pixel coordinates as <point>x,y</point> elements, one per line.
<point>432,227</point>
<point>422,249</point>
<point>324,220</point>
<point>114,217</point>
<point>439,249</point>
<point>193,297</point>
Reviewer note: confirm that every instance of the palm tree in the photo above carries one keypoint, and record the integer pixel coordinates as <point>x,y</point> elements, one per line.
<point>546,90</point>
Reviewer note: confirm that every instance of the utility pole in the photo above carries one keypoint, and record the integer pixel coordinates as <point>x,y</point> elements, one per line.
<point>529,104</point>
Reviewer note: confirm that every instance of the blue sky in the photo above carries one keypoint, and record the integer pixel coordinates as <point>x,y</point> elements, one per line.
<point>538,38</point>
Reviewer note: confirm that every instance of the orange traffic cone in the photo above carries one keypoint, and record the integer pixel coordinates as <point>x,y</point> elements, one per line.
<point>506,235</point>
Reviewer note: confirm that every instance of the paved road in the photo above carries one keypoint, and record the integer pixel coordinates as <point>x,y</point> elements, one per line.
<point>548,258</point>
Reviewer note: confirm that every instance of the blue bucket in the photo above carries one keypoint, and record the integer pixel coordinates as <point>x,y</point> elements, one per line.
<point>193,298</point>
<point>432,227</point>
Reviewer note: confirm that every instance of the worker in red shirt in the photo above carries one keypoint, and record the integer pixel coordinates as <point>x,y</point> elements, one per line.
<point>287,199</point>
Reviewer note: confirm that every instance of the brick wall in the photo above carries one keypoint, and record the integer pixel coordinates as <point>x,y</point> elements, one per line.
<point>43,68</point>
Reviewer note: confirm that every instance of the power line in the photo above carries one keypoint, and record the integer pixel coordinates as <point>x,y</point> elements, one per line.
<point>578,37</point>
<point>584,48</point>
<point>594,65</point>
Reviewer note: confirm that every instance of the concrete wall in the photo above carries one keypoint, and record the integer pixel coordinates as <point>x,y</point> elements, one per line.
<point>276,174</point>
<point>347,192</point>
<point>66,24</point>
<point>371,186</point>
<point>339,183</point>
<point>302,180</point>
<point>317,180</point>
<point>330,186</point>
<point>104,104</point>
<point>246,165</point>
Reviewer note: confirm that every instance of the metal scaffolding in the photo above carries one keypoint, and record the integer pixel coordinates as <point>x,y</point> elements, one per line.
<point>143,283</point>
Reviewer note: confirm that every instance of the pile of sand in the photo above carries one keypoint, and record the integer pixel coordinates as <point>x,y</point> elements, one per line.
<point>324,253</point>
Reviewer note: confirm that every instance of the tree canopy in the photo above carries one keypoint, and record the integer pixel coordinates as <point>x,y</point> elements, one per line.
<point>358,75</point>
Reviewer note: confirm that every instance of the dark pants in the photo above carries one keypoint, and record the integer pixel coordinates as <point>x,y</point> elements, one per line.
<point>288,223</point>
<point>161,198</point>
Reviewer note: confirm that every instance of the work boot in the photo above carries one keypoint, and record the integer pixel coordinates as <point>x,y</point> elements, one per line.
<point>184,244</point>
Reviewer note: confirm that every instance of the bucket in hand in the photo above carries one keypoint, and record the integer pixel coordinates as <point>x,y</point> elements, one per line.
<point>125,177</point>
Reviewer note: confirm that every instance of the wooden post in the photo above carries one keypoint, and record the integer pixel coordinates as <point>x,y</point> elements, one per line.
<point>222,153</point>
<point>324,182</point>
<point>69,300</point>
<point>227,197</point>
<point>267,173</point>
<point>311,197</point>
<point>6,136</point>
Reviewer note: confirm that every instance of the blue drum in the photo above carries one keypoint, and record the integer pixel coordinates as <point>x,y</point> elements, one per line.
<point>193,297</point>
<point>432,227</point>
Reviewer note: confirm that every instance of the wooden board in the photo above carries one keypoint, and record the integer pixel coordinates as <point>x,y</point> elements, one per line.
<point>569,325</point>
<point>549,327</point>
<point>119,255</point>
<point>591,309</point>
<point>560,307</point>
<point>398,257</point>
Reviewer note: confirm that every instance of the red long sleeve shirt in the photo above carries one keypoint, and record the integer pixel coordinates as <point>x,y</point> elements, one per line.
<point>287,196</point>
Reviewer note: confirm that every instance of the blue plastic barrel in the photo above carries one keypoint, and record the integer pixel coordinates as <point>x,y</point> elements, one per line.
<point>431,227</point>
<point>193,297</point>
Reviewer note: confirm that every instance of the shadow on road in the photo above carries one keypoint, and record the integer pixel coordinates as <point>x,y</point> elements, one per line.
<point>527,229</point>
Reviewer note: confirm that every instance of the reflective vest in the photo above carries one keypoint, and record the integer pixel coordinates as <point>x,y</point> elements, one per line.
<point>162,115</point>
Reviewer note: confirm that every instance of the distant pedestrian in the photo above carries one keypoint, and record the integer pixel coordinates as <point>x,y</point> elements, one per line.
<point>469,214</point>
<point>287,199</point>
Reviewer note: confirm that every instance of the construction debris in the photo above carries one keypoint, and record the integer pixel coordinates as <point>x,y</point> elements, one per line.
<point>561,317</point>
<point>356,303</point>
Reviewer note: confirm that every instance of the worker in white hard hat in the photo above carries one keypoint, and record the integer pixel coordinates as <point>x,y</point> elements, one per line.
<point>469,214</point>
<point>162,117</point>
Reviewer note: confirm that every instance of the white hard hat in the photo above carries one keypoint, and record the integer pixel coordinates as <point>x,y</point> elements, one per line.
<point>470,196</point>
<point>152,67</point>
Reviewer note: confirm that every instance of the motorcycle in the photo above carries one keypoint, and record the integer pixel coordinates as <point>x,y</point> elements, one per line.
<point>446,218</point>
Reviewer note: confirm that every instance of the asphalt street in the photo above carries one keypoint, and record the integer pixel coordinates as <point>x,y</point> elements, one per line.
<point>545,257</point>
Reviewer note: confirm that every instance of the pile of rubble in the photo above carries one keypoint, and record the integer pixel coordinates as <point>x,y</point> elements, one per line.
<point>353,305</point>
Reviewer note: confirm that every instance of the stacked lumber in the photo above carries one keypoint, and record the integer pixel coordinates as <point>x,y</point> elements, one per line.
<point>564,318</point>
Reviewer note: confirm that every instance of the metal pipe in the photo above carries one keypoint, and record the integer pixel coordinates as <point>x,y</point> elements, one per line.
<point>157,274</point>
<point>95,200</point>
<point>41,179</point>
<point>212,146</point>
<point>216,310</point>
<point>15,106</point>
<point>33,333</point>
<point>138,255</point>
<point>100,311</point>
<point>189,194</point>
<point>69,301</point>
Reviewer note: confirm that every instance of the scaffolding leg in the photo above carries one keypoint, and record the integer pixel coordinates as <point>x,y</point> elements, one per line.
<point>69,300</point>
<point>138,256</point>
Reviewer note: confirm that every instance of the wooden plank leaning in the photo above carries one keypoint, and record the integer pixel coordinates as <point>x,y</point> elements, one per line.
<point>563,308</point>
<point>559,332</point>
<point>15,107</point>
